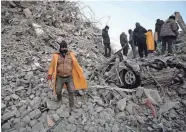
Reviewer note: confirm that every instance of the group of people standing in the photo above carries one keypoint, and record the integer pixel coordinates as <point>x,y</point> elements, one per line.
<point>65,71</point>
<point>165,32</point>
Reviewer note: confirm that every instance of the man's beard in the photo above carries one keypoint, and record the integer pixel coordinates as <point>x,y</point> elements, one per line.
<point>63,52</point>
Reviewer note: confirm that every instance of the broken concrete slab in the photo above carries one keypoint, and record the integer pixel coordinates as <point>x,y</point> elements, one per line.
<point>32,96</point>
<point>3,106</point>
<point>184,102</point>
<point>129,107</point>
<point>167,106</point>
<point>7,116</point>
<point>140,119</point>
<point>71,119</point>
<point>99,109</point>
<point>35,102</point>
<point>12,3</point>
<point>35,114</point>
<point>153,95</point>
<point>135,99</point>
<point>38,127</point>
<point>121,116</point>
<point>5,126</point>
<point>38,29</point>
<point>33,122</point>
<point>53,105</point>
<point>63,112</point>
<point>14,96</point>
<point>139,92</point>
<point>24,4</point>
<point>55,117</point>
<point>27,13</point>
<point>115,128</point>
<point>121,104</point>
<point>26,119</point>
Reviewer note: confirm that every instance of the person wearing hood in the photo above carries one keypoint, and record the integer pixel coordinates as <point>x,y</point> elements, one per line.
<point>131,42</point>
<point>106,41</point>
<point>169,32</point>
<point>157,38</point>
<point>124,43</point>
<point>158,25</point>
<point>150,41</point>
<point>64,71</point>
<point>140,40</point>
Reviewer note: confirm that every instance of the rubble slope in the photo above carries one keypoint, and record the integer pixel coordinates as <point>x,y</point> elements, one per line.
<point>30,33</point>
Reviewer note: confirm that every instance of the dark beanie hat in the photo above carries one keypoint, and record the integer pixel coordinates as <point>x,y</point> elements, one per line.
<point>106,27</point>
<point>172,17</point>
<point>63,44</point>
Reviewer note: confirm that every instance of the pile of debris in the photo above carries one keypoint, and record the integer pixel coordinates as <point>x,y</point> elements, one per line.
<point>31,32</point>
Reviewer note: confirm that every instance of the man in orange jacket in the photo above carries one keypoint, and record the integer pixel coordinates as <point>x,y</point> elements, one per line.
<point>64,69</point>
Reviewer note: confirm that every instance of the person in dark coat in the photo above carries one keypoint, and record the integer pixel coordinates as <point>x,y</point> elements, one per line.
<point>106,41</point>
<point>159,24</point>
<point>124,43</point>
<point>131,42</point>
<point>169,32</point>
<point>140,40</point>
<point>158,42</point>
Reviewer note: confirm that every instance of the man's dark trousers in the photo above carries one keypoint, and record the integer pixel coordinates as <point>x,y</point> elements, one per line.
<point>107,46</point>
<point>142,47</point>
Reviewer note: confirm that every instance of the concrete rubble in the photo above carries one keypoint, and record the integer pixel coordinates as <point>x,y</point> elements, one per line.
<point>31,32</point>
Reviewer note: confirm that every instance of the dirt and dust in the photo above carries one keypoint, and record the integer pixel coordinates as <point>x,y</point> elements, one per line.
<point>30,33</point>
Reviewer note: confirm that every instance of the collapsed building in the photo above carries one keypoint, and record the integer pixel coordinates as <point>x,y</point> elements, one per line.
<point>128,96</point>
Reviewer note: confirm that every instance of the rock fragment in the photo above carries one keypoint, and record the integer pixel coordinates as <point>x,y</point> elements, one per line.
<point>35,114</point>
<point>139,92</point>
<point>27,13</point>
<point>129,108</point>
<point>3,106</point>
<point>5,126</point>
<point>7,116</point>
<point>53,104</point>
<point>121,104</point>
<point>38,127</point>
<point>33,122</point>
<point>14,96</point>
<point>71,119</point>
<point>115,128</point>
<point>38,29</point>
<point>26,119</point>
<point>56,117</point>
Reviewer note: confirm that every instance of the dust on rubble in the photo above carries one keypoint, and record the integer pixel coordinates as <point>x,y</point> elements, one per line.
<point>31,31</point>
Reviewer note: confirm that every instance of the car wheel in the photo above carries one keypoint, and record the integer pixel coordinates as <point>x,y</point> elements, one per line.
<point>130,78</point>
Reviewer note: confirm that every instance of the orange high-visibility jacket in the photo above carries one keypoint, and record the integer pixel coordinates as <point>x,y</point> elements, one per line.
<point>77,72</point>
<point>150,41</point>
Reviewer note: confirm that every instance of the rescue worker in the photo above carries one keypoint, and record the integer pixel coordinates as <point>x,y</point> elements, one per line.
<point>131,42</point>
<point>124,43</point>
<point>158,39</point>
<point>169,32</point>
<point>106,41</point>
<point>140,39</point>
<point>150,41</point>
<point>158,26</point>
<point>64,69</point>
